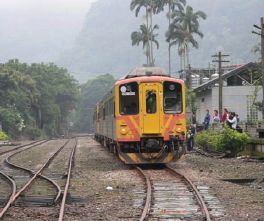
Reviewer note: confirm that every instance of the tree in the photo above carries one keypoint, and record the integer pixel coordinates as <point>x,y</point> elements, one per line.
<point>91,93</point>
<point>59,94</point>
<point>37,97</point>
<point>184,27</point>
<point>145,35</point>
<point>151,6</point>
<point>173,5</point>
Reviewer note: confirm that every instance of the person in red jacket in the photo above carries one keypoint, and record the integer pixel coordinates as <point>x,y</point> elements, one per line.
<point>225,115</point>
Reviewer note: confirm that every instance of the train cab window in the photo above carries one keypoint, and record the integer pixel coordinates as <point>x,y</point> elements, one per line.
<point>151,101</point>
<point>172,100</point>
<point>129,101</point>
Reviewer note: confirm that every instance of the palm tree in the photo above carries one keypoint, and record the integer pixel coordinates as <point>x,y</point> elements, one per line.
<point>173,5</point>
<point>145,35</point>
<point>184,26</point>
<point>150,7</point>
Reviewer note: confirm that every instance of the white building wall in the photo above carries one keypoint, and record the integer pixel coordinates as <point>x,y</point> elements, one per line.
<point>203,102</point>
<point>235,99</point>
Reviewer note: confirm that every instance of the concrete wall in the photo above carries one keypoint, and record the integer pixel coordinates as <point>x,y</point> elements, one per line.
<point>234,99</point>
<point>203,102</point>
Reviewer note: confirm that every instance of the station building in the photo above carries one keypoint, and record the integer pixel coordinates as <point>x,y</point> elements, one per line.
<point>241,89</point>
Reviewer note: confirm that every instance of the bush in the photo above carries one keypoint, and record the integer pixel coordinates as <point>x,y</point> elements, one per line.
<point>233,140</point>
<point>207,140</point>
<point>256,141</point>
<point>226,140</point>
<point>32,132</point>
<point>3,136</point>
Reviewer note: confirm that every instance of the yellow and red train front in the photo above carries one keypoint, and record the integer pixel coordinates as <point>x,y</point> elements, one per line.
<point>150,119</point>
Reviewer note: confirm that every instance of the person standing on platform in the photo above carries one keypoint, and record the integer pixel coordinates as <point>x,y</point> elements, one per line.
<point>225,116</point>
<point>206,120</point>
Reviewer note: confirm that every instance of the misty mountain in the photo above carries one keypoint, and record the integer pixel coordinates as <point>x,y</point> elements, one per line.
<point>104,44</point>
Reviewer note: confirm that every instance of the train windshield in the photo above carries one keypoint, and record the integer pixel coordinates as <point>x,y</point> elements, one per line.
<point>172,100</point>
<point>151,103</point>
<point>129,101</point>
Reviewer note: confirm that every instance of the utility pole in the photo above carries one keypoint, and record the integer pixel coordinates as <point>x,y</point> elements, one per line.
<point>169,39</point>
<point>189,76</point>
<point>219,57</point>
<point>261,34</point>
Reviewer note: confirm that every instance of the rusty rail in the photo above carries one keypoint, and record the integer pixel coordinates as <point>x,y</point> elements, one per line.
<point>11,183</point>
<point>208,154</point>
<point>38,142</point>
<point>148,198</point>
<point>8,161</point>
<point>70,165</point>
<point>202,204</point>
<point>36,174</point>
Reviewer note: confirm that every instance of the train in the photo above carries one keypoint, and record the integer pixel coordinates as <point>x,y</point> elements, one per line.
<point>142,119</point>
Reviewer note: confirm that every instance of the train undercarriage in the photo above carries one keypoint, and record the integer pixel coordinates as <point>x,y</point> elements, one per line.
<point>147,151</point>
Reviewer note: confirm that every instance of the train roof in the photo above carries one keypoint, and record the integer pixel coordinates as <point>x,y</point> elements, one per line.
<point>146,71</point>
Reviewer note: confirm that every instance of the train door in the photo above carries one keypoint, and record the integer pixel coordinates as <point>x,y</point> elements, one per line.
<point>151,108</point>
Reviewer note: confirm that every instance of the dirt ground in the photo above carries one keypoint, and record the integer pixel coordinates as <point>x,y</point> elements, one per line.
<point>241,202</point>
<point>103,188</point>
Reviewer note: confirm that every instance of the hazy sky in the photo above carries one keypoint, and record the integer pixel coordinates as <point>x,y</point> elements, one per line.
<point>44,28</point>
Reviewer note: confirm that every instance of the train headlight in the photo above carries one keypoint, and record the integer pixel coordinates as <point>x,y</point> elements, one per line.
<point>178,130</point>
<point>123,131</point>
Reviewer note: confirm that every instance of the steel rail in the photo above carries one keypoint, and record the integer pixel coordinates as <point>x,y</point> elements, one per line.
<point>41,176</point>
<point>8,161</point>
<point>148,198</point>
<point>202,204</point>
<point>21,146</point>
<point>70,165</point>
<point>11,181</point>
<point>214,155</point>
<point>36,174</point>
<point>13,184</point>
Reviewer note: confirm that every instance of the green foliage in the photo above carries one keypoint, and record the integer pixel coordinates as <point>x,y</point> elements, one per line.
<point>146,34</point>
<point>233,140</point>
<point>11,118</point>
<point>35,96</point>
<point>3,136</point>
<point>91,93</point>
<point>226,140</point>
<point>256,141</point>
<point>208,140</point>
<point>32,132</point>
<point>190,99</point>
<point>183,29</point>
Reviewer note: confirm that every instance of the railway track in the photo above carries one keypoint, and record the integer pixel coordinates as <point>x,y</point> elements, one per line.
<point>11,149</point>
<point>213,154</point>
<point>65,192</point>
<point>171,195</point>
<point>37,175</point>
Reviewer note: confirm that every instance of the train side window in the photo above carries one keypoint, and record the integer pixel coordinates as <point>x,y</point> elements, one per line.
<point>129,99</point>
<point>151,101</point>
<point>172,100</point>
